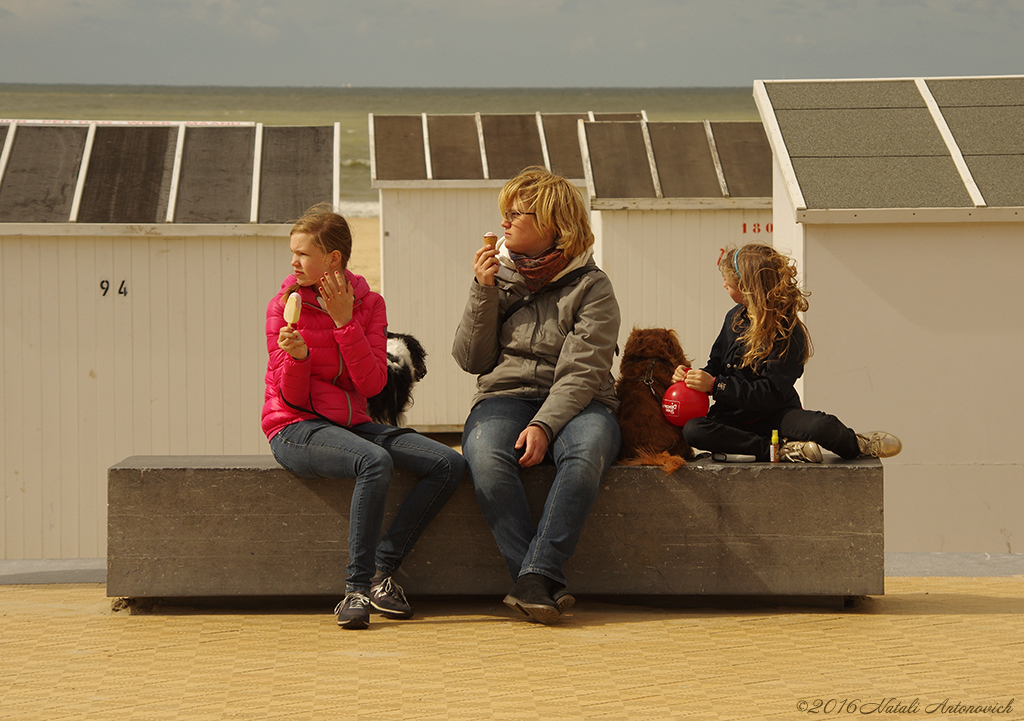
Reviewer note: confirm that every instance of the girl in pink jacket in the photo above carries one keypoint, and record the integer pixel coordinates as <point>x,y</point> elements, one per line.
<point>320,373</point>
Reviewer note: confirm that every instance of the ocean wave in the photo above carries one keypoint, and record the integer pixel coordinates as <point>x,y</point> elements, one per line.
<point>359,208</point>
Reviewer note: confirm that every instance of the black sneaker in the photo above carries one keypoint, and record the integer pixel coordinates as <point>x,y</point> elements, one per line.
<point>388,598</point>
<point>532,598</point>
<point>354,610</point>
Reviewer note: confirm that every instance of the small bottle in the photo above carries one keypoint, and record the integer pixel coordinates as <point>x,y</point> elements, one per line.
<point>775,447</point>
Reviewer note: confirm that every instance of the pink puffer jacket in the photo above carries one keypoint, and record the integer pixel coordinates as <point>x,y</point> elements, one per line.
<point>345,365</point>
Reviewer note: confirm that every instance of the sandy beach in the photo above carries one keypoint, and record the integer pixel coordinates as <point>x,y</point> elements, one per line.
<point>365,260</point>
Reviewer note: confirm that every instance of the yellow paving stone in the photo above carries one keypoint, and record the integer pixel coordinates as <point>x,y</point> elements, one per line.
<point>931,641</point>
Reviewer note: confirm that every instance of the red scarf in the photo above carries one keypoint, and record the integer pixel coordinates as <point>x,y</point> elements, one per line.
<point>538,271</point>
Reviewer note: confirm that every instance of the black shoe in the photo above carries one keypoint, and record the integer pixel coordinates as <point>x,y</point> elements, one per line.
<point>354,610</point>
<point>532,598</point>
<point>387,597</point>
<point>564,600</point>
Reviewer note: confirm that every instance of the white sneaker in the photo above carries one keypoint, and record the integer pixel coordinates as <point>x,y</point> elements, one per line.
<point>800,452</point>
<point>878,444</point>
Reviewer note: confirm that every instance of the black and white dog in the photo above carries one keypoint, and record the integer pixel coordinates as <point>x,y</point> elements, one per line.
<point>406,367</point>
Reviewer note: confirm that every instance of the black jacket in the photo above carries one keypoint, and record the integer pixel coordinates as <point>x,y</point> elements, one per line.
<point>743,395</point>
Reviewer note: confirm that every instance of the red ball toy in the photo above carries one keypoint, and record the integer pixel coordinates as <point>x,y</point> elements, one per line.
<point>681,403</point>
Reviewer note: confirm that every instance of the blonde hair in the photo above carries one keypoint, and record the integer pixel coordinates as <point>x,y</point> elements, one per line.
<point>558,205</point>
<point>767,280</point>
<point>329,232</point>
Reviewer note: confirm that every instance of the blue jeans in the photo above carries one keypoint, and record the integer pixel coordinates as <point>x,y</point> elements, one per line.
<point>582,452</point>
<point>318,449</point>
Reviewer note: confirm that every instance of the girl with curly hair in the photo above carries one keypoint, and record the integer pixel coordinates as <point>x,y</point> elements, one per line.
<point>754,364</point>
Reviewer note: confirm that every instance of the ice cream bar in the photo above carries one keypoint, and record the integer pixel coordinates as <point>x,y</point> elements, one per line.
<point>293,309</point>
<point>490,239</point>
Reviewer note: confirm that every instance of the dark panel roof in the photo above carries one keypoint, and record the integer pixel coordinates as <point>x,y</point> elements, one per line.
<point>687,163</point>
<point>512,143</point>
<point>561,132</point>
<point>746,159</point>
<point>454,147</point>
<point>129,174</point>
<point>398,142</point>
<point>686,167</point>
<point>618,116</point>
<point>42,171</point>
<point>618,157</point>
<point>296,171</point>
<point>884,143</point>
<point>216,176</point>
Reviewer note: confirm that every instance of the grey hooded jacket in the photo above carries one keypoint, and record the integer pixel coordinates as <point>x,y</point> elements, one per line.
<point>559,346</point>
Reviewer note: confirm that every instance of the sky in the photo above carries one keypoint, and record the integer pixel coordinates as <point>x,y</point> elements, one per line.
<point>503,43</point>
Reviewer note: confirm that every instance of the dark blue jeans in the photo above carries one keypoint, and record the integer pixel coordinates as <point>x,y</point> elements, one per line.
<point>582,452</point>
<point>318,449</point>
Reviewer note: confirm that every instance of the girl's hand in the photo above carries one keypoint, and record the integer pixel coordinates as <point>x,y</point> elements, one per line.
<point>485,265</point>
<point>338,297</point>
<point>291,343</point>
<point>698,380</point>
<point>536,442</point>
<point>679,373</point>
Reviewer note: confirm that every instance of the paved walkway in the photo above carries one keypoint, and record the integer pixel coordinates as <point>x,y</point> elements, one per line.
<point>929,648</point>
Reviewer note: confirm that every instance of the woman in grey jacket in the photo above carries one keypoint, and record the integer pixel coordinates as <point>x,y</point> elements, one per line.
<point>539,330</point>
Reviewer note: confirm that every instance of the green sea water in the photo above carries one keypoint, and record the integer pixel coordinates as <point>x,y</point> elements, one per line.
<point>350,107</point>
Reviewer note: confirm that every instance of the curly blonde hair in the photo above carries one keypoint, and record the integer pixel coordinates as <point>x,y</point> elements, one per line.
<point>767,280</point>
<point>558,205</point>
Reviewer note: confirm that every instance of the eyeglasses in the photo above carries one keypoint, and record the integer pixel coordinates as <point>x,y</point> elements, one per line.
<point>511,215</point>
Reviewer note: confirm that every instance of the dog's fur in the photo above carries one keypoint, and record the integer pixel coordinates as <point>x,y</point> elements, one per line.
<point>406,367</point>
<point>648,439</point>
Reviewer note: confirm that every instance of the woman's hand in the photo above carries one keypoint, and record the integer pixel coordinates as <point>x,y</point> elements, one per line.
<point>338,297</point>
<point>485,265</point>
<point>536,442</point>
<point>291,343</point>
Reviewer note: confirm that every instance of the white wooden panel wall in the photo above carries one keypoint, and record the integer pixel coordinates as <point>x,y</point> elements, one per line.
<point>172,364</point>
<point>428,238</point>
<point>917,332</point>
<point>662,264</point>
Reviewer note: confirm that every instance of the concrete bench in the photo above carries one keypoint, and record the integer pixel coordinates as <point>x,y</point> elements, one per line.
<point>214,526</point>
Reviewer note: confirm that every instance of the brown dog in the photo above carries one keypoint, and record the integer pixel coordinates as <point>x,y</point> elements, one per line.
<point>645,372</point>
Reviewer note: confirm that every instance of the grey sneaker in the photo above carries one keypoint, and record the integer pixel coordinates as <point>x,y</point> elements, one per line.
<point>878,444</point>
<point>387,597</point>
<point>800,452</point>
<point>354,610</point>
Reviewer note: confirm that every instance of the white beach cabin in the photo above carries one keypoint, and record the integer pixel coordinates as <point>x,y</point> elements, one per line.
<point>438,177</point>
<point>137,262</point>
<point>903,200</point>
<point>664,198</point>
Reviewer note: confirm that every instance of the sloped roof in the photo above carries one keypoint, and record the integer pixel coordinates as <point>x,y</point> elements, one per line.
<point>954,144</point>
<point>152,173</point>
<point>664,165</point>
<point>476,150</point>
